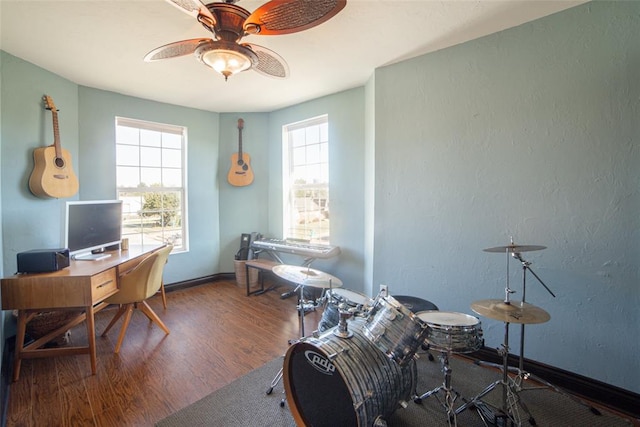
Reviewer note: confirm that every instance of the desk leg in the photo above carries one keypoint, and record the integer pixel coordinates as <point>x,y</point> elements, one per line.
<point>22,327</point>
<point>91,336</point>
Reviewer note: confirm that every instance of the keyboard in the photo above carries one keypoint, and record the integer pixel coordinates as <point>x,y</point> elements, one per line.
<point>296,248</point>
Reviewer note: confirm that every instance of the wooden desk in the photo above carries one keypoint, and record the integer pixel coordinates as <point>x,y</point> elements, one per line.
<point>82,287</point>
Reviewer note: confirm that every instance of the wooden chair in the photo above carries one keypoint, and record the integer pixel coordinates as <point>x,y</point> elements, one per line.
<point>136,286</point>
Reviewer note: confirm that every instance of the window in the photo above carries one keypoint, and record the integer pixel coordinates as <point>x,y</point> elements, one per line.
<point>151,182</point>
<point>306,180</point>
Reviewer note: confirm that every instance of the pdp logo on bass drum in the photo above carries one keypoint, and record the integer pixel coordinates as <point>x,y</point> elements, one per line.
<point>321,363</point>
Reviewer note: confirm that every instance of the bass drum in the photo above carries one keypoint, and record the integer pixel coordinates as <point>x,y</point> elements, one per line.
<point>332,381</point>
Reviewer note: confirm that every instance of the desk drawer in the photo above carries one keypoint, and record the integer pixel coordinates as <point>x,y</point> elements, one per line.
<point>104,284</point>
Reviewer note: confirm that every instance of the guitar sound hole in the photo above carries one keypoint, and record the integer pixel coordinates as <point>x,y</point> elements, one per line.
<point>241,162</point>
<point>245,167</point>
<point>59,162</point>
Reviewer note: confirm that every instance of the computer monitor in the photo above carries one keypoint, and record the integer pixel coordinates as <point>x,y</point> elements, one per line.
<point>92,226</point>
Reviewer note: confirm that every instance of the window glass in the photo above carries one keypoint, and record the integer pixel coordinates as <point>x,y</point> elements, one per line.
<point>150,159</point>
<point>306,181</point>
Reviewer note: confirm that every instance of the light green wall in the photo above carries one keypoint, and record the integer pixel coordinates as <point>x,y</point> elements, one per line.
<point>346,178</point>
<point>258,207</point>
<point>88,115</point>
<point>532,133</point>
<point>98,110</point>
<point>27,125</point>
<point>243,209</point>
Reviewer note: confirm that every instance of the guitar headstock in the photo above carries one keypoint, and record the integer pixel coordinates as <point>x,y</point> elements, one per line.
<point>48,102</point>
<point>240,124</point>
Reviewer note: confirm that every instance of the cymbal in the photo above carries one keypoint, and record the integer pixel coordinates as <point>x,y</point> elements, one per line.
<point>306,276</point>
<point>514,312</point>
<point>515,248</point>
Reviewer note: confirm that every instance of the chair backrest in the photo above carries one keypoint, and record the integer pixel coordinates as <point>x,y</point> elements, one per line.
<point>146,278</point>
<point>155,275</point>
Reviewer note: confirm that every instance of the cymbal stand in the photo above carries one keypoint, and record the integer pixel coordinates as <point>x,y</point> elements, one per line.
<point>510,397</point>
<point>522,375</point>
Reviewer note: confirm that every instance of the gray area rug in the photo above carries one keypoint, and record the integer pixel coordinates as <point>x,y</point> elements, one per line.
<point>244,402</point>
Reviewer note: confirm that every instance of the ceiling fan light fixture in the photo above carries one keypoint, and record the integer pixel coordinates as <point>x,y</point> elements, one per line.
<point>226,58</point>
<point>226,62</point>
<point>229,23</point>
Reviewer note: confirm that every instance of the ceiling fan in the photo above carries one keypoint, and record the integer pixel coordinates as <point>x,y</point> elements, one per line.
<point>229,23</point>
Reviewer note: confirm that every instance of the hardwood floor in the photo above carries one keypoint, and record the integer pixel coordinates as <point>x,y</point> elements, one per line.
<point>217,335</point>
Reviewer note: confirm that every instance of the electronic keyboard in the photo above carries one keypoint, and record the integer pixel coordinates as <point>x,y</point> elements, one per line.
<point>296,248</point>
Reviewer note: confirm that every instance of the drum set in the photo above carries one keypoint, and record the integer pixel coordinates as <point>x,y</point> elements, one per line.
<point>360,365</point>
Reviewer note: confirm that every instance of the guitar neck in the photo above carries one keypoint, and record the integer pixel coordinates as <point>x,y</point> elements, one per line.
<point>56,134</point>
<point>240,127</point>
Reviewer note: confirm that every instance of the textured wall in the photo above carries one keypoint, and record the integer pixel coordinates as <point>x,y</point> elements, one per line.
<point>530,133</point>
<point>87,123</point>
<point>98,110</point>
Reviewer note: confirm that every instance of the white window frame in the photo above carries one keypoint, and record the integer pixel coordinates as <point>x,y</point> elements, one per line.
<point>305,147</point>
<point>159,162</point>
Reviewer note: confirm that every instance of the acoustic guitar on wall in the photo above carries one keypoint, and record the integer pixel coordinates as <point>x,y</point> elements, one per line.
<point>53,175</point>
<point>240,173</point>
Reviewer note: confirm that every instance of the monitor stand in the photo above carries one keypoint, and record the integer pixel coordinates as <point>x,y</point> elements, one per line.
<point>91,256</point>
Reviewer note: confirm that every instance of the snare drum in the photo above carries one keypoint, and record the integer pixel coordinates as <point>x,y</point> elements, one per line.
<point>450,331</point>
<point>332,381</point>
<point>394,329</point>
<point>358,303</point>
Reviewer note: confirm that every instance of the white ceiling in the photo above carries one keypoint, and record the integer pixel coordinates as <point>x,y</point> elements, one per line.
<point>101,43</point>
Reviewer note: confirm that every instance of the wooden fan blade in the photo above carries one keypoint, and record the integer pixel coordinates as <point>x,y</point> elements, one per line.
<point>197,9</point>
<point>269,63</point>
<point>291,16</point>
<point>172,50</point>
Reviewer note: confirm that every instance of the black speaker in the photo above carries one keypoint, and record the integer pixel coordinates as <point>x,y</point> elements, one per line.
<point>245,245</point>
<point>254,236</point>
<point>43,260</point>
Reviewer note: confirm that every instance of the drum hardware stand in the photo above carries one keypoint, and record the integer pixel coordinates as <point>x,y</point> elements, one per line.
<point>510,397</point>
<point>342,330</point>
<point>511,387</point>
<point>302,303</point>
<point>450,393</point>
<point>521,374</point>
<point>526,266</point>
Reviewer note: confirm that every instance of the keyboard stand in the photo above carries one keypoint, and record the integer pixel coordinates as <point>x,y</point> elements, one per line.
<point>306,263</point>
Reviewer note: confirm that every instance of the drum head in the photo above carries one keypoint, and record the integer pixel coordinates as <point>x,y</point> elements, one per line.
<point>351,296</point>
<point>319,392</point>
<point>447,318</point>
